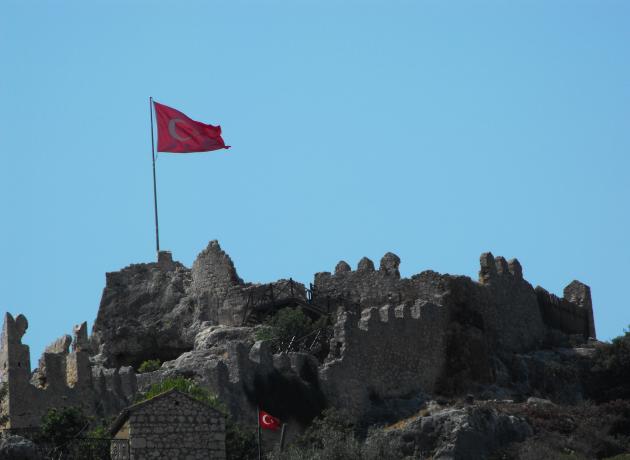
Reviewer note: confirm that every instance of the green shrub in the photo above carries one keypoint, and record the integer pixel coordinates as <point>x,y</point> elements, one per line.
<point>330,436</point>
<point>286,324</point>
<point>184,385</point>
<point>100,432</point>
<point>265,332</point>
<point>59,425</point>
<point>240,442</point>
<point>149,365</point>
<point>330,422</point>
<point>336,447</point>
<point>290,329</point>
<point>609,377</point>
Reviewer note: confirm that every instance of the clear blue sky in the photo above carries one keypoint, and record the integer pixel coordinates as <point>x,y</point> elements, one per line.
<point>433,129</point>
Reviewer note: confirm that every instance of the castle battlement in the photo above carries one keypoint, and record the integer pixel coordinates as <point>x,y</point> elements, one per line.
<point>393,338</point>
<point>63,378</point>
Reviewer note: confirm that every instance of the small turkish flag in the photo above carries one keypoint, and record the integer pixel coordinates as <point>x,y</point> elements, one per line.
<point>179,134</point>
<point>267,421</point>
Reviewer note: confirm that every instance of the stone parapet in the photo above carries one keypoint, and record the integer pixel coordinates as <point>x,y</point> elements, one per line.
<point>63,379</point>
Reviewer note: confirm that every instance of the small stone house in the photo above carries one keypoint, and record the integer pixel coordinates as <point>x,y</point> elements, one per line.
<point>171,425</point>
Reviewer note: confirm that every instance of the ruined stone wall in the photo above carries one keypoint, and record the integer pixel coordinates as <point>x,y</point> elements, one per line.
<point>580,294</point>
<point>446,330</point>
<point>502,305</point>
<point>388,352</point>
<point>507,303</point>
<point>571,317</point>
<point>174,426</point>
<point>63,378</point>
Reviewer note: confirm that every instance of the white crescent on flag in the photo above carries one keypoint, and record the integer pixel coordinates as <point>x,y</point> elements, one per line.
<point>268,421</point>
<point>172,125</point>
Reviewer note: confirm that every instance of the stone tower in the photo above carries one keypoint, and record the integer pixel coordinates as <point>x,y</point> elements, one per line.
<point>15,362</point>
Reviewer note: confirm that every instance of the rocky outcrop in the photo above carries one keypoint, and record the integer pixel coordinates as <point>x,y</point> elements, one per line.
<point>470,433</point>
<point>137,317</point>
<point>155,310</point>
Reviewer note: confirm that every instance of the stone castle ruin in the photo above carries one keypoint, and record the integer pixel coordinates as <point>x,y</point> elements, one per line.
<point>64,378</point>
<point>392,340</point>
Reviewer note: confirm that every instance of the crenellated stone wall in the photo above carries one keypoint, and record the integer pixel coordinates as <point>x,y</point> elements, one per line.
<point>64,378</point>
<point>399,337</point>
<point>391,352</point>
<point>503,305</point>
<point>572,314</point>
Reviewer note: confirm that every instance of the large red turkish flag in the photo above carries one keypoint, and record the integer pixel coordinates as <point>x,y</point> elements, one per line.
<point>179,134</point>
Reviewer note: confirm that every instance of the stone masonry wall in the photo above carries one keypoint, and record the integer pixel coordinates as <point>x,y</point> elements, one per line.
<point>174,426</point>
<point>502,304</point>
<point>387,352</point>
<point>571,314</point>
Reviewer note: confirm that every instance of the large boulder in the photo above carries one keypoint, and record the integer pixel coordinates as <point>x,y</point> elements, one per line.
<point>13,447</point>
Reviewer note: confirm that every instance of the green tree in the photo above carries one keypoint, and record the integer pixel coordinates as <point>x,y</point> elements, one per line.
<point>330,436</point>
<point>60,425</point>
<point>609,377</point>
<point>286,324</point>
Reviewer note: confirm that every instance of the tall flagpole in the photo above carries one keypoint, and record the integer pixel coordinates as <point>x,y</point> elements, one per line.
<point>157,233</point>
